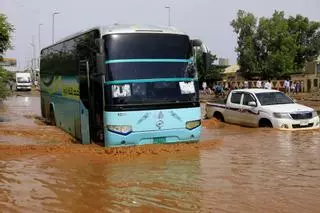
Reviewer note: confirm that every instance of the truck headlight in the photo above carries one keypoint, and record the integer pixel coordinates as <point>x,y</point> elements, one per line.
<point>120,129</point>
<point>193,124</point>
<point>314,114</point>
<point>281,115</point>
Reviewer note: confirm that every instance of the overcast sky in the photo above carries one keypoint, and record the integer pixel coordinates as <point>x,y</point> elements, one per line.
<point>208,20</point>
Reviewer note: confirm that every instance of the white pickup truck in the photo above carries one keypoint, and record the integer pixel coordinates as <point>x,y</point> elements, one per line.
<point>263,108</point>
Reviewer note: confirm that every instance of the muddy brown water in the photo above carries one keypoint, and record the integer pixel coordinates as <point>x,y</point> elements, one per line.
<point>232,169</point>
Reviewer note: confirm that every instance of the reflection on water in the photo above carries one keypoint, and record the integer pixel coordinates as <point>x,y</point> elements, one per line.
<point>260,171</point>
<point>46,184</point>
<point>253,170</point>
<point>16,107</point>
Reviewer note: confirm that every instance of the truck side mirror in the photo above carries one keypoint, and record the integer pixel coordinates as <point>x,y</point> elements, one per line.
<point>252,104</point>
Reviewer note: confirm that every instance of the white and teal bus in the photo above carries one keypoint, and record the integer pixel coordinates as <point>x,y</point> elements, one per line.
<point>123,85</point>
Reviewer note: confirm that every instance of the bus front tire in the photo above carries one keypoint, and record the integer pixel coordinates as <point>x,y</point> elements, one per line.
<point>52,117</point>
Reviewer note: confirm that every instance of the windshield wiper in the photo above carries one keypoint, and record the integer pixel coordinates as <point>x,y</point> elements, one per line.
<point>147,106</point>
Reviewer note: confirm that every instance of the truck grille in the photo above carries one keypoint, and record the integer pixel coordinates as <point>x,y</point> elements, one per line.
<point>296,126</point>
<point>302,115</point>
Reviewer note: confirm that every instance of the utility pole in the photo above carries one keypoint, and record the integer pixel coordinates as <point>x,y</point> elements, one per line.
<point>53,15</point>
<point>33,52</point>
<point>33,58</point>
<point>39,37</point>
<point>169,15</point>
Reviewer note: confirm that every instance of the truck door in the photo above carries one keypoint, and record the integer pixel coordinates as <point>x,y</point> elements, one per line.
<point>84,100</point>
<point>233,108</point>
<point>249,115</point>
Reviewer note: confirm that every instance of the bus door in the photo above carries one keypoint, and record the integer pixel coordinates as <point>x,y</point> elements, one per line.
<point>84,101</point>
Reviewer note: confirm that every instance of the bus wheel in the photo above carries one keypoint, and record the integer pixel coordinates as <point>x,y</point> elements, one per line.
<point>52,117</point>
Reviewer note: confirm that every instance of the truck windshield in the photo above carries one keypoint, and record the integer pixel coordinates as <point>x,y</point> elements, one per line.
<point>149,69</point>
<point>273,98</point>
<point>23,79</point>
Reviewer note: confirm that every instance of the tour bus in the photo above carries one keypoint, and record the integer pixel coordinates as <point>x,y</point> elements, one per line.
<point>123,85</point>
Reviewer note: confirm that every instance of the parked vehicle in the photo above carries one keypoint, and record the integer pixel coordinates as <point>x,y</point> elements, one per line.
<point>23,81</point>
<point>263,108</point>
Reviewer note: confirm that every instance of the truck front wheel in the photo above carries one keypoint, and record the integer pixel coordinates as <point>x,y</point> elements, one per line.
<point>265,123</point>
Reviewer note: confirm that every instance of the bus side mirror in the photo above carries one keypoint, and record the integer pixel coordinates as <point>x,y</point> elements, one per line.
<point>101,67</point>
<point>206,61</point>
<point>100,57</point>
<point>196,43</point>
<point>100,44</point>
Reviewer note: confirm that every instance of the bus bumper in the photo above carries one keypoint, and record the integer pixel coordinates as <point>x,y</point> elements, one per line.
<point>152,137</point>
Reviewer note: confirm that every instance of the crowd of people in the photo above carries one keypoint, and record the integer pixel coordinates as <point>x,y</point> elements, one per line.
<point>294,87</point>
<point>219,90</point>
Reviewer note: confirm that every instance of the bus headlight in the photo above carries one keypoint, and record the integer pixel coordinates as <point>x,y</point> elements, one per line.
<point>193,124</point>
<point>120,129</point>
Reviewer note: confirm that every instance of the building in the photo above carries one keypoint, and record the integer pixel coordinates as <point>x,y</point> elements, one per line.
<point>231,77</point>
<point>223,61</point>
<point>310,76</point>
<point>231,73</point>
<point>10,64</point>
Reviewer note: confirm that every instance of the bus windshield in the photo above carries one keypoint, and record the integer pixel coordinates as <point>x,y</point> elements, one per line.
<point>149,69</point>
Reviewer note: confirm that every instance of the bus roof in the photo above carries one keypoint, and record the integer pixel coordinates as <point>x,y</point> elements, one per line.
<point>125,28</point>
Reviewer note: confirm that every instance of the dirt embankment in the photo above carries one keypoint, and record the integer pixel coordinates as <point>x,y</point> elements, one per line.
<point>309,99</point>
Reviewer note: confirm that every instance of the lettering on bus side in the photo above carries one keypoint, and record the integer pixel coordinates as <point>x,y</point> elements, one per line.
<point>70,91</point>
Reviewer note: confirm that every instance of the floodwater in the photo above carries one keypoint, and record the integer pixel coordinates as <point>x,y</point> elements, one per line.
<point>232,169</point>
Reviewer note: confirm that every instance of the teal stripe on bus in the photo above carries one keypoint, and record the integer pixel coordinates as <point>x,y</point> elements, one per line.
<point>151,80</point>
<point>145,60</point>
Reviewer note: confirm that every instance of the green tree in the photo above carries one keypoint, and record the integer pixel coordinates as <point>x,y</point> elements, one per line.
<point>275,47</point>
<point>6,30</point>
<point>307,37</point>
<point>5,34</point>
<point>5,77</point>
<point>245,26</point>
<point>212,73</point>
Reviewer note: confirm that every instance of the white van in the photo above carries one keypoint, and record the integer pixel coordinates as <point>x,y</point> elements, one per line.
<point>23,81</point>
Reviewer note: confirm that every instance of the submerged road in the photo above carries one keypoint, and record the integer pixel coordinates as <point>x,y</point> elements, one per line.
<point>248,170</point>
